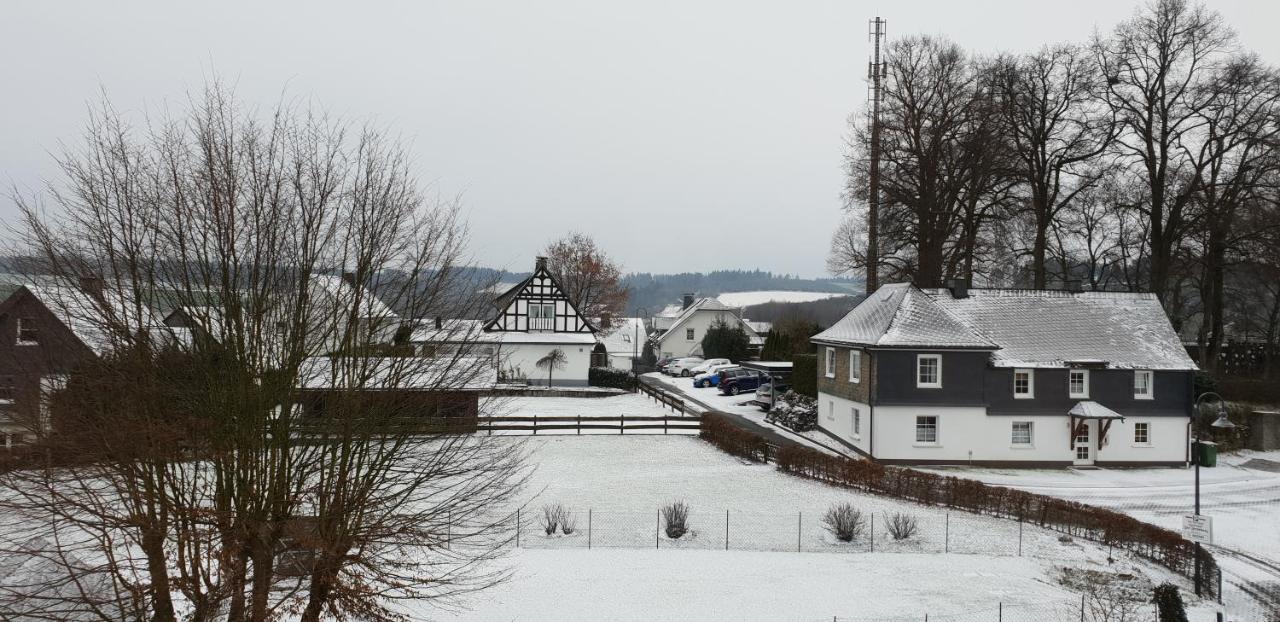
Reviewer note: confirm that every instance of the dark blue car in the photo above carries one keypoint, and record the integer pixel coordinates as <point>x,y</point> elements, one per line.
<point>742,381</point>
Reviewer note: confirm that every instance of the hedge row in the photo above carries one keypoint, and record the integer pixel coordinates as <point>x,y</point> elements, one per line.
<point>1163,546</point>
<point>733,440</point>
<point>612,378</point>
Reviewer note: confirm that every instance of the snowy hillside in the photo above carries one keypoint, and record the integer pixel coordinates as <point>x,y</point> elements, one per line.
<point>746,299</point>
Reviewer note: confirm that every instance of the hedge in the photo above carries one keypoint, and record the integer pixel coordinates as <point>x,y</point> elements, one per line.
<point>733,440</point>
<point>612,378</point>
<point>804,374</point>
<point>1162,546</point>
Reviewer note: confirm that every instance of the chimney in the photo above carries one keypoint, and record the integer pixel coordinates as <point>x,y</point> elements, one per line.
<point>606,320</point>
<point>1075,286</point>
<point>91,284</point>
<point>350,278</point>
<point>439,323</point>
<point>540,264</point>
<point>959,289</point>
<point>688,302</point>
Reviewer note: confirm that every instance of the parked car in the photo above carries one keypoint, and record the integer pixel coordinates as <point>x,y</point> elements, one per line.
<point>707,365</point>
<point>662,363</point>
<point>711,377</point>
<point>684,366</point>
<point>742,381</point>
<point>766,391</point>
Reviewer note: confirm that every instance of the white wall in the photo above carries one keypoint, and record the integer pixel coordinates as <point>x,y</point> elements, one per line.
<point>524,357</point>
<point>962,430</point>
<point>674,341</point>
<point>835,415</point>
<point>620,361</point>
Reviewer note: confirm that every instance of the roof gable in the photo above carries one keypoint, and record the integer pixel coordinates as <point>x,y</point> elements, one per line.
<point>902,316</point>
<point>712,305</point>
<point>540,289</point>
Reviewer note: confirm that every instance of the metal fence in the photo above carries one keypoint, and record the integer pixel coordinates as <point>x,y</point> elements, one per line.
<point>1077,610</point>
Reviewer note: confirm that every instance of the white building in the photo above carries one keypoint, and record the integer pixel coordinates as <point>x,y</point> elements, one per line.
<point>680,328</point>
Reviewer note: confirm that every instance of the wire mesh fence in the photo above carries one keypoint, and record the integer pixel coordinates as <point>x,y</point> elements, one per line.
<point>1077,610</point>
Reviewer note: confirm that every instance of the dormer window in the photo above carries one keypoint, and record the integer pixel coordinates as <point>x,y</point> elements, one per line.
<point>1024,384</point>
<point>28,334</point>
<point>1078,383</point>
<point>1143,384</point>
<point>929,371</point>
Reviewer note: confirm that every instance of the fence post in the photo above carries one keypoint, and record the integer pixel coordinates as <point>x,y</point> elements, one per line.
<point>799,528</point>
<point>535,424</point>
<point>946,535</point>
<point>1019,538</point>
<point>448,531</point>
<point>1082,608</point>
<point>622,424</point>
<point>726,530</point>
<point>664,424</point>
<point>579,424</point>
<point>588,529</point>
<point>1218,569</point>
<point>1001,612</point>
<point>656,525</point>
<point>872,520</point>
<point>517,527</point>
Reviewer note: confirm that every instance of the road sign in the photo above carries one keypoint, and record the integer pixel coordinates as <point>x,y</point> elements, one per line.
<point>1198,528</point>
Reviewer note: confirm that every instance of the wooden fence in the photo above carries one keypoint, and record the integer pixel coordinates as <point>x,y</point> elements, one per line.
<point>666,399</point>
<point>622,424</point>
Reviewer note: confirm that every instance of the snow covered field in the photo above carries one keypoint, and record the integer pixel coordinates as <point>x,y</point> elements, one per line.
<point>624,480</point>
<point>746,299</point>
<point>624,405</point>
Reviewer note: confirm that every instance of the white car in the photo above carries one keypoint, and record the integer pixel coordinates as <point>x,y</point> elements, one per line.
<point>684,366</point>
<point>708,378</point>
<point>707,365</point>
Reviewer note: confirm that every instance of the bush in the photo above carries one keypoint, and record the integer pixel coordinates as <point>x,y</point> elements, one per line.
<point>1169,603</point>
<point>568,522</point>
<point>844,522</point>
<point>725,341</point>
<point>675,518</point>
<point>804,374</point>
<point>611,378</point>
<point>551,516</point>
<point>732,440</point>
<point>901,525</point>
<point>794,412</point>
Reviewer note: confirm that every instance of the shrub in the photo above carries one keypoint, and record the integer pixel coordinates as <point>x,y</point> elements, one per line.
<point>611,378</point>
<point>794,412</point>
<point>675,518</point>
<point>1169,603</point>
<point>844,522</point>
<point>568,522</point>
<point>804,374</point>
<point>732,440</point>
<point>901,525</point>
<point>550,519</point>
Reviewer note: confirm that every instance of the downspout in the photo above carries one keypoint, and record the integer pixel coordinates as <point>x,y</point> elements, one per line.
<point>871,404</point>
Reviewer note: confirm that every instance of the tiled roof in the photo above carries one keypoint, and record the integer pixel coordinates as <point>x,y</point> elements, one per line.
<point>901,315</point>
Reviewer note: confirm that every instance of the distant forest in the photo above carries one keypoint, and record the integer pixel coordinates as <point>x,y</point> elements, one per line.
<point>651,292</point>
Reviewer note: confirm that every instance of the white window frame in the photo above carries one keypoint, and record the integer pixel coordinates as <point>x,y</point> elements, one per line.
<point>855,366</point>
<point>937,431</point>
<point>857,423</point>
<point>688,334</point>
<point>1151,384</point>
<point>829,363</point>
<point>1074,394</point>
<point>920,359</point>
<point>1031,384</point>
<point>1031,434</point>
<point>18,334</point>
<point>1146,431</point>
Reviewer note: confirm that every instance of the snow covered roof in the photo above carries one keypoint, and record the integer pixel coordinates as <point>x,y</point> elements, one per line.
<point>398,373</point>
<point>714,304</point>
<point>625,335</point>
<point>1089,409</point>
<point>97,320</point>
<point>345,294</point>
<point>1024,328</point>
<point>899,316</point>
<point>1039,328</point>
<point>472,331</point>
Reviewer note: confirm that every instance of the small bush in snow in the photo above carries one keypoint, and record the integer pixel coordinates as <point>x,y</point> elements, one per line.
<point>844,522</point>
<point>568,522</point>
<point>551,517</point>
<point>675,517</point>
<point>901,525</point>
<point>794,412</point>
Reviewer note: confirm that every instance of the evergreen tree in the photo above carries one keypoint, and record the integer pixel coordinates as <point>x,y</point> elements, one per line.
<point>724,341</point>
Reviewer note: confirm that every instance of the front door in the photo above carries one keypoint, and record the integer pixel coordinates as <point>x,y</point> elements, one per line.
<point>1083,445</point>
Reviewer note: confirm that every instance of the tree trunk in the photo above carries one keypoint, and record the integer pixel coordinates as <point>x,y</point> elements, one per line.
<point>158,569</point>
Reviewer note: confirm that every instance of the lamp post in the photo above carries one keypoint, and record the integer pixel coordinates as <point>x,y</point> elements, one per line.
<point>1222,422</point>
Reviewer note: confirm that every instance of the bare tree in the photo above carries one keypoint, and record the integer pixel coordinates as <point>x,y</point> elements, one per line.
<point>589,277</point>
<point>275,416</point>
<point>553,360</point>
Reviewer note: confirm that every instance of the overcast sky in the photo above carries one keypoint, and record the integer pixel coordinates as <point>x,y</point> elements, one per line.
<point>683,136</point>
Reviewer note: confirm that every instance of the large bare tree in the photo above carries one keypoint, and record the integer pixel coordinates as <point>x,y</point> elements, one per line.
<point>590,278</point>
<point>277,417</point>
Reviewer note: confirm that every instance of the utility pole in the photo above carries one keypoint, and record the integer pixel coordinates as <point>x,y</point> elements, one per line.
<point>876,72</point>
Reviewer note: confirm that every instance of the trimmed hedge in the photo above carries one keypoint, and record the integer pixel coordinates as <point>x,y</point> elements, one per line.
<point>1162,546</point>
<point>612,378</point>
<point>804,374</point>
<point>733,440</point>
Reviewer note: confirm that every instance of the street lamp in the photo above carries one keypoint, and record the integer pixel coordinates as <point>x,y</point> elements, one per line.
<point>1222,423</point>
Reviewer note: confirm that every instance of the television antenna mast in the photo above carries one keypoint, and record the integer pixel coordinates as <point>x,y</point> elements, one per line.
<point>876,72</point>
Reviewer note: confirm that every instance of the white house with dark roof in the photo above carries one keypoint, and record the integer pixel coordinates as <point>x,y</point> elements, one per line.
<point>622,340</point>
<point>680,329</point>
<point>1006,377</point>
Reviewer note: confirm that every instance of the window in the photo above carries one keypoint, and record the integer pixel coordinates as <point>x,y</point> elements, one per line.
<point>27,333</point>
<point>1143,385</point>
<point>927,429</point>
<point>1078,383</point>
<point>1024,384</point>
<point>1021,433</point>
<point>542,316</point>
<point>6,389</point>
<point>855,366</point>
<point>688,334</point>
<point>831,363</point>
<point>929,371</point>
<point>857,423</point>
<point>1142,434</point>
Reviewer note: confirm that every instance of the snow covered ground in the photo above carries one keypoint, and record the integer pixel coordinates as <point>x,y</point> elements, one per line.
<point>746,299</point>
<point>624,405</point>
<point>624,481</point>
